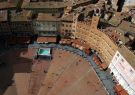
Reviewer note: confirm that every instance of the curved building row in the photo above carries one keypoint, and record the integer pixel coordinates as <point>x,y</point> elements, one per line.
<point>121,60</point>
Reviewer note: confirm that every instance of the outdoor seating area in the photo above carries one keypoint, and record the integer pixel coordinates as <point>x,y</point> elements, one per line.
<point>77,43</point>
<point>99,63</point>
<point>119,90</point>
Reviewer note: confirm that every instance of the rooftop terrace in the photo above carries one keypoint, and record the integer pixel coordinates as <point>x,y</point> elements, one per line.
<point>7,5</point>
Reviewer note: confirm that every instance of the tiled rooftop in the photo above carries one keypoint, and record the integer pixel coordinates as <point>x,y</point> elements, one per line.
<point>51,4</point>
<point>67,17</point>
<point>43,4</point>
<point>19,16</point>
<point>5,5</point>
<point>47,17</point>
<point>128,55</point>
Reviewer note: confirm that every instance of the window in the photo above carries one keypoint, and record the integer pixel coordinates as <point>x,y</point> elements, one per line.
<point>69,30</point>
<point>66,30</point>
<point>131,71</point>
<point>118,55</point>
<point>53,25</point>
<point>122,60</point>
<point>73,30</point>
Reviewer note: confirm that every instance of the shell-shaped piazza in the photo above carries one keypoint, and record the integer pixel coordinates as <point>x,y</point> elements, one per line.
<point>69,72</point>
